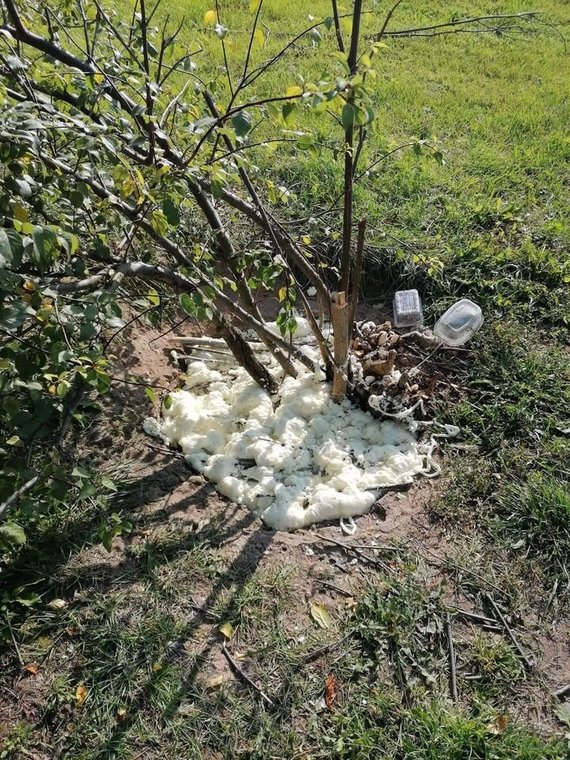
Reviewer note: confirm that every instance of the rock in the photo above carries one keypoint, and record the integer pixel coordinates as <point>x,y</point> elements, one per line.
<point>380,367</point>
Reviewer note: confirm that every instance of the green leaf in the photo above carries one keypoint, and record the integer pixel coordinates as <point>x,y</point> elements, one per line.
<point>167,401</point>
<point>11,534</point>
<point>348,114</point>
<point>187,304</point>
<point>242,123</point>
<point>76,198</point>
<point>150,393</point>
<point>108,483</point>
<point>305,142</point>
<point>287,112</point>
<point>171,212</point>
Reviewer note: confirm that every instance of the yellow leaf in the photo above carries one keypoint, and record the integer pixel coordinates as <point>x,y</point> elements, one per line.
<point>128,187</point>
<point>80,694</point>
<point>258,37</point>
<point>282,294</point>
<point>29,285</point>
<point>99,78</point>
<point>210,18</point>
<point>306,239</point>
<point>254,5</point>
<point>156,667</point>
<point>320,615</point>
<point>227,630</point>
<point>293,91</point>
<point>20,213</point>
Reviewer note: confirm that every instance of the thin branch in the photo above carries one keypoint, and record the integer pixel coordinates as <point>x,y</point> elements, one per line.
<point>16,495</point>
<point>239,672</point>
<point>387,19</point>
<point>450,25</point>
<point>249,47</point>
<point>527,662</point>
<point>224,52</point>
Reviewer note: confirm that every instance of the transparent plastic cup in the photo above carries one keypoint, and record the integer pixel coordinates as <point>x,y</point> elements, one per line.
<point>407,309</point>
<point>459,323</point>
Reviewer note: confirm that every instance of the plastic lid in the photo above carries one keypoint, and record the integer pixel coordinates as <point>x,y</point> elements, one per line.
<point>459,323</point>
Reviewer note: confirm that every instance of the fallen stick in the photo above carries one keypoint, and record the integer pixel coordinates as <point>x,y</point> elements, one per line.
<point>324,649</point>
<point>474,616</point>
<point>338,589</point>
<point>361,554</point>
<point>562,692</point>
<point>239,672</point>
<point>528,663</point>
<point>204,611</point>
<point>452,662</point>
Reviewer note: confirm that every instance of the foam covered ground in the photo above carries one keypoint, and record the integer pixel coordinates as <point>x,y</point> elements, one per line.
<point>294,459</point>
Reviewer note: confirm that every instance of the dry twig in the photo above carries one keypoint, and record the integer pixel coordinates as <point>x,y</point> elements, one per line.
<point>527,662</point>
<point>452,662</point>
<point>240,673</point>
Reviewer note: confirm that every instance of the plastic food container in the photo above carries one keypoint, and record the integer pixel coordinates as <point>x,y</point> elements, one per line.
<point>459,323</point>
<point>407,308</point>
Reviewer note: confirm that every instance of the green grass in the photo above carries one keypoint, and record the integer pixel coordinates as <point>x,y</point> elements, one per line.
<point>537,513</point>
<point>145,661</point>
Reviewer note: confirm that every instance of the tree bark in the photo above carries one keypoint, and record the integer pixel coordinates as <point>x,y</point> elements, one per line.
<point>339,318</point>
<point>245,356</point>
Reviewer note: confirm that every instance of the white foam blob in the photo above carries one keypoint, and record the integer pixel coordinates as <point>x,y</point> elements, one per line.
<point>295,459</point>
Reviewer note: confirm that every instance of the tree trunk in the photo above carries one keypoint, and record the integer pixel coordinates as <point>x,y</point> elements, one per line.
<point>244,355</point>
<point>339,318</point>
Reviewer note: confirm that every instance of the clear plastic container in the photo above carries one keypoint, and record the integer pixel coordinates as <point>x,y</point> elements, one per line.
<point>407,309</point>
<point>459,323</point>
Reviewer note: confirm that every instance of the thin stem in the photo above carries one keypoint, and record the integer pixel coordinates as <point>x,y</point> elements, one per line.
<point>337,28</point>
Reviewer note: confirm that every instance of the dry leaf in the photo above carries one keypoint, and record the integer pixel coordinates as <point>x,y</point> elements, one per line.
<point>499,725</point>
<point>31,668</point>
<point>562,712</point>
<point>80,694</point>
<point>57,604</point>
<point>227,630</point>
<point>331,688</point>
<point>320,615</point>
<point>218,680</point>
